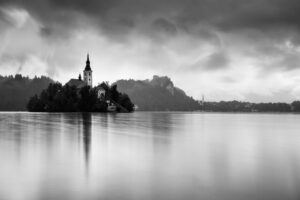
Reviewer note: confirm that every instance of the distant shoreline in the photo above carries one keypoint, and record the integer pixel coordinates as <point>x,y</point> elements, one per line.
<point>157,94</point>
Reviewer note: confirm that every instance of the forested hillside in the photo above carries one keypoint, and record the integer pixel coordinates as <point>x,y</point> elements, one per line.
<point>158,94</point>
<point>15,91</point>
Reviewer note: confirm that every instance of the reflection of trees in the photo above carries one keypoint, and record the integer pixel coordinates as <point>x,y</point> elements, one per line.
<point>16,127</point>
<point>86,135</point>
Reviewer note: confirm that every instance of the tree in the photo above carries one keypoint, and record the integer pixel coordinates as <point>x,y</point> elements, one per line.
<point>67,99</point>
<point>35,104</point>
<point>114,93</point>
<point>48,97</point>
<point>296,106</point>
<point>125,101</point>
<point>101,106</point>
<point>88,99</point>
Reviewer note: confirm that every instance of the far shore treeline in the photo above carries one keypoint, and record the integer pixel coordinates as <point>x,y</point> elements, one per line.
<point>15,91</point>
<point>237,106</point>
<point>20,93</point>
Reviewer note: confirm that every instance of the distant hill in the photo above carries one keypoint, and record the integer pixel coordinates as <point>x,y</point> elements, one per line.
<point>15,91</point>
<point>158,94</point>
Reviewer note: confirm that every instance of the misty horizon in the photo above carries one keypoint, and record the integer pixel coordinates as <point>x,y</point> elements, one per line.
<point>203,97</point>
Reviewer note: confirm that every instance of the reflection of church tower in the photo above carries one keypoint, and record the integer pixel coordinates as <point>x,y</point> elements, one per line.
<point>87,73</point>
<point>87,136</point>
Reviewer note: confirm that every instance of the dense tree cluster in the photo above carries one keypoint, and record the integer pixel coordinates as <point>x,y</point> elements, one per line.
<point>120,98</point>
<point>58,98</point>
<point>16,90</point>
<point>295,106</point>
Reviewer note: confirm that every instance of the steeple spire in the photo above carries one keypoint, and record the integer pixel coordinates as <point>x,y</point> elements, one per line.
<point>87,66</point>
<point>88,73</point>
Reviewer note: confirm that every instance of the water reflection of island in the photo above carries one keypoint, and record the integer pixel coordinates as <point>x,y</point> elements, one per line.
<point>86,136</point>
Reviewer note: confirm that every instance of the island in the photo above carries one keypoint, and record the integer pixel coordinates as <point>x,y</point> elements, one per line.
<point>79,95</point>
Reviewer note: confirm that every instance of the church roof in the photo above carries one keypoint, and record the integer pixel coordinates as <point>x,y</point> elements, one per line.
<point>99,87</point>
<point>77,83</point>
<point>88,66</point>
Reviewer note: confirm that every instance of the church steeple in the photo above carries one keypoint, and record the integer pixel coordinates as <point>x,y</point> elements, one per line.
<point>87,73</point>
<point>87,66</point>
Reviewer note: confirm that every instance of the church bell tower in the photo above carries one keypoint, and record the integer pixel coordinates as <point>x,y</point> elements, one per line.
<point>88,73</point>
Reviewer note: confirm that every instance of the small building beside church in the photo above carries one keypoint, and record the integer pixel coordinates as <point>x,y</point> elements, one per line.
<point>78,83</point>
<point>100,92</point>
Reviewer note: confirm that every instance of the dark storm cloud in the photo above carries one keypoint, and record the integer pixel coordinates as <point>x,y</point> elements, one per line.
<point>46,31</point>
<point>215,61</point>
<point>166,15</point>
<point>165,26</point>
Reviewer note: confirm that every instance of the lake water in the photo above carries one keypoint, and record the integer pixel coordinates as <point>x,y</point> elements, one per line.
<point>145,155</point>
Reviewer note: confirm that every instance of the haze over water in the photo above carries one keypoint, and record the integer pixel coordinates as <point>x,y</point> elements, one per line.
<point>149,155</point>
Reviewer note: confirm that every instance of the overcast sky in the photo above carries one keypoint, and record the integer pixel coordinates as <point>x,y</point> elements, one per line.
<point>224,49</point>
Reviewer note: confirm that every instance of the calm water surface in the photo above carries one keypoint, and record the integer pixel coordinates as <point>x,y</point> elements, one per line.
<point>144,155</point>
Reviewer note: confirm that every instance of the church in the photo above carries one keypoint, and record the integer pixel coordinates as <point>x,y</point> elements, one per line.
<point>87,77</point>
<point>87,80</point>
